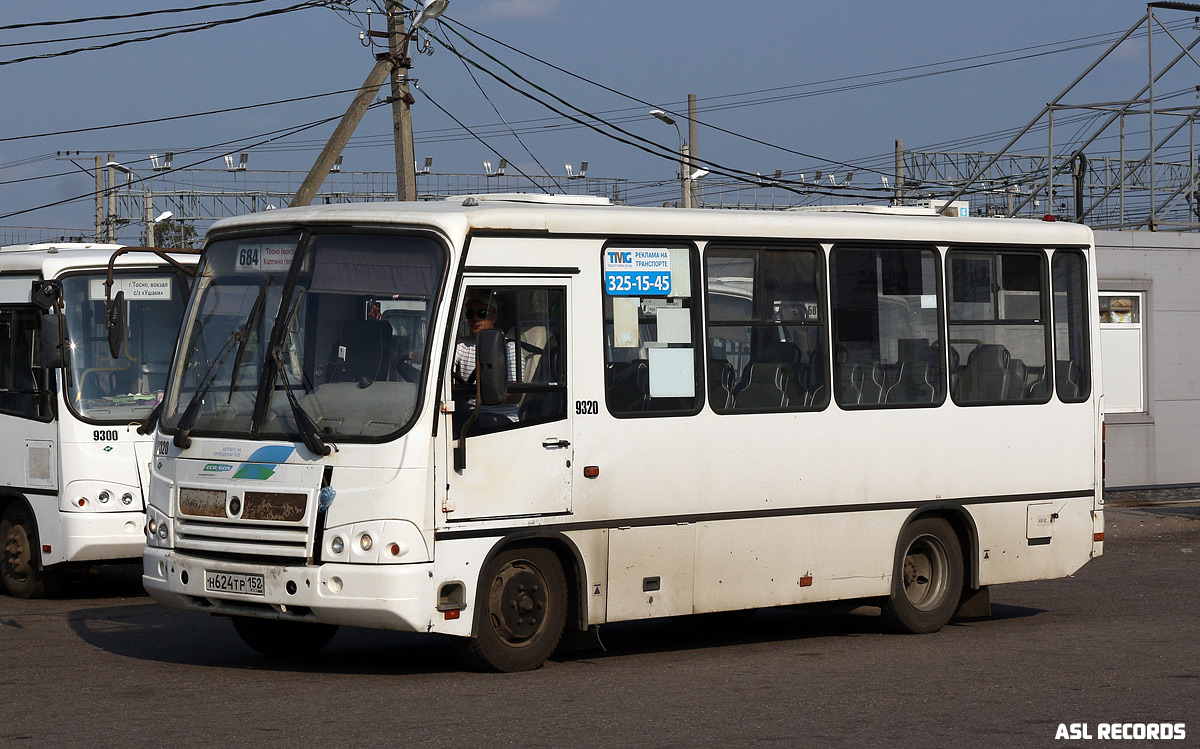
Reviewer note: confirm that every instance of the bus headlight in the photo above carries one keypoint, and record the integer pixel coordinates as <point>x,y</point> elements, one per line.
<point>365,542</point>
<point>162,530</point>
<point>152,527</point>
<point>104,496</point>
<point>126,498</point>
<point>337,545</point>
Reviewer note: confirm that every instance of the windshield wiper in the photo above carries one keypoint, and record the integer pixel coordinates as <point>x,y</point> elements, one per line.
<point>310,433</point>
<point>244,335</point>
<point>182,438</point>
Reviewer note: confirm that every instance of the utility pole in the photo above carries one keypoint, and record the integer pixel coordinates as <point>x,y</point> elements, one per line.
<point>341,134</point>
<point>394,63</point>
<point>693,154</point>
<point>99,201</point>
<point>401,99</point>
<point>899,199</point>
<point>110,221</point>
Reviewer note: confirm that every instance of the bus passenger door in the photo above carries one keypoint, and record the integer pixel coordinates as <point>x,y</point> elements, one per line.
<point>518,453</point>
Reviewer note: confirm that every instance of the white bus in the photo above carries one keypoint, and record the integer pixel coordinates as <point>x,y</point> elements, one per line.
<point>502,418</point>
<point>73,390</point>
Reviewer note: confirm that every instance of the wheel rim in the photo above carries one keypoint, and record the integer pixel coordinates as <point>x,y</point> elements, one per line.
<point>517,604</point>
<point>926,567</point>
<point>17,552</point>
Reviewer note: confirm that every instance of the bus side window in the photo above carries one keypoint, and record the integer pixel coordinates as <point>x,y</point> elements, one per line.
<point>766,347</point>
<point>532,319</point>
<point>20,392</point>
<point>887,326</point>
<point>1071,360</point>
<point>652,364</point>
<point>998,330</point>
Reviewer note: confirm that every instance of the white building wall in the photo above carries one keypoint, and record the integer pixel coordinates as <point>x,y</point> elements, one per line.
<point>1160,447</point>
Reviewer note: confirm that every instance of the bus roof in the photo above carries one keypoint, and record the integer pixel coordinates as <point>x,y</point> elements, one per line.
<point>49,259</point>
<point>583,215</point>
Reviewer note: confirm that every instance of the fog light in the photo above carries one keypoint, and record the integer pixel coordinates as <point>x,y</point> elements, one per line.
<point>103,497</point>
<point>365,542</point>
<point>153,527</point>
<point>126,498</point>
<point>337,545</point>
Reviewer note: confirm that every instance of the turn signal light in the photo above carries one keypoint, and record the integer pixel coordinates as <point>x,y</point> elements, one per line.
<point>451,614</point>
<point>591,472</point>
<point>1098,537</point>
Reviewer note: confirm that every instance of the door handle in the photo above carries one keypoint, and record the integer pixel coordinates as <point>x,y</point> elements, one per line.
<point>551,443</point>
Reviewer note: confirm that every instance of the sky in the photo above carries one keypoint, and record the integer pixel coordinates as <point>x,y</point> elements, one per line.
<point>779,83</point>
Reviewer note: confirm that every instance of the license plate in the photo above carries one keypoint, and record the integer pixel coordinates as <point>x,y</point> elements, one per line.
<point>231,582</point>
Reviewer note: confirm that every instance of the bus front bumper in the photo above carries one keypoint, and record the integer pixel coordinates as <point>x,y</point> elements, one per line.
<point>396,597</point>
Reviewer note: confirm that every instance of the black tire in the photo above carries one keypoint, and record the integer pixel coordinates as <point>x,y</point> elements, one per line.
<point>522,610</point>
<point>21,558</point>
<point>927,582</point>
<point>279,638</point>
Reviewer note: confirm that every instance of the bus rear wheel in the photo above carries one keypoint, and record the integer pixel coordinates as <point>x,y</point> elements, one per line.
<point>279,638</point>
<point>21,562</point>
<point>927,585</point>
<point>523,609</point>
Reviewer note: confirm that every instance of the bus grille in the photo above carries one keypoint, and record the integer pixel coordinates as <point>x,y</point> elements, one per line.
<point>270,524</point>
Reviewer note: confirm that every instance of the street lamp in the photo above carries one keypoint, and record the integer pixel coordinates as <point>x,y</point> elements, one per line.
<point>685,193</point>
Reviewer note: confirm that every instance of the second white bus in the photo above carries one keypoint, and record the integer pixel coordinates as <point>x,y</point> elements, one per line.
<point>501,418</point>
<point>74,469</point>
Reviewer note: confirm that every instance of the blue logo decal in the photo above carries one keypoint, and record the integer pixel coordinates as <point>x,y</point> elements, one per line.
<point>260,466</point>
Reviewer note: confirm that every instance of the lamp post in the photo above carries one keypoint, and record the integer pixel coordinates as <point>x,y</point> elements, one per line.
<point>685,193</point>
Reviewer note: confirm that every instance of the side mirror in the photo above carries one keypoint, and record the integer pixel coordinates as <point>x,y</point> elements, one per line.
<point>491,367</point>
<point>116,324</point>
<point>49,348</point>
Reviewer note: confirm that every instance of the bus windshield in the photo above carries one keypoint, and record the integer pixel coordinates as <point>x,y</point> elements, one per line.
<point>341,350</point>
<point>101,388</point>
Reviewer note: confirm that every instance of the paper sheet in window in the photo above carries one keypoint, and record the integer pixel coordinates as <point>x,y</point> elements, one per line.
<point>625,322</point>
<point>674,324</point>
<point>672,372</point>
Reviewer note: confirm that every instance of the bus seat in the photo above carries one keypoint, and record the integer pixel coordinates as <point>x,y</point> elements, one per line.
<point>1069,376</point>
<point>368,351</point>
<point>720,383</point>
<point>765,387</point>
<point>1016,388</point>
<point>985,378</point>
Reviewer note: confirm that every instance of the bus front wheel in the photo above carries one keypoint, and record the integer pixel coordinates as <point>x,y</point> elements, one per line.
<point>20,559</point>
<point>278,638</point>
<point>927,584</point>
<point>523,610</point>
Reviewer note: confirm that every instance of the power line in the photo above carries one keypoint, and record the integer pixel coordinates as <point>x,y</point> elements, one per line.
<point>201,27</point>
<point>140,14</point>
<point>178,116</point>
<point>276,135</point>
